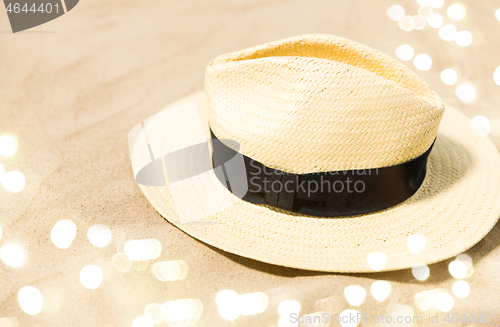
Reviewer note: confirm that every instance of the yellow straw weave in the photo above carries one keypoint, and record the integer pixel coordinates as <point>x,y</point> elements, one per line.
<point>318,103</point>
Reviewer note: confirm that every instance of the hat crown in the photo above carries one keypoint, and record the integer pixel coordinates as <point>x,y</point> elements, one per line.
<point>318,103</point>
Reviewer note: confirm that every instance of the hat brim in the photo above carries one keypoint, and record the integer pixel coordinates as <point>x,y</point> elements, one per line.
<point>456,206</point>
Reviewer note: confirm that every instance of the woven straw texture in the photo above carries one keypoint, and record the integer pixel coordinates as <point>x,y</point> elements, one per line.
<point>318,103</point>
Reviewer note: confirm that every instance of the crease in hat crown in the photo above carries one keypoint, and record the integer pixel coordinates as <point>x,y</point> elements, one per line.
<point>316,103</point>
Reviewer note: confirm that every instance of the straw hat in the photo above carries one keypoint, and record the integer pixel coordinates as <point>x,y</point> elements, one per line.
<point>310,110</point>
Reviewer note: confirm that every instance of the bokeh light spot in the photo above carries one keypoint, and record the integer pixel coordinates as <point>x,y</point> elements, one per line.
<point>99,235</point>
<point>153,311</point>
<point>496,75</point>
<point>425,300</point>
<point>404,313</point>
<point>425,11</point>
<point>447,32</point>
<point>349,318</point>
<point>355,295</point>
<point>8,145</point>
<point>463,38</point>
<point>435,20</point>
<point>227,303</point>
<point>331,304</point>
<point>185,312</point>
<point>91,276</point>
<point>449,76</point>
<point>14,181</point>
<point>122,262</point>
<point>405,24</point>
<point>63,233</point>
<point>168,271</point>
<point>289,307</point>
<point>380,290</point>
<point>437,3</point>
<point>443,302</point>
<point>421,272</point>
<point>417,243</point>
<point>417,22</point>
<point>461,289</point>
<point>465,258</point>
<point>145,249</point>
<point>396,12</point>
<point>423,62</point>
<point>377,260</point>
<point>457,269</point>
<point>12,255</point>
<point>30,300</point>
<point>424,3</point>
<point>405,52</point>
<point>466,91</point>
<point>456,11</point>
<point>253,303</point>
<point>481,125</point>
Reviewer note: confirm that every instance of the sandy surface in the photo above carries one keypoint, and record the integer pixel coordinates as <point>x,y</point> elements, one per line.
<point>71,90</point>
